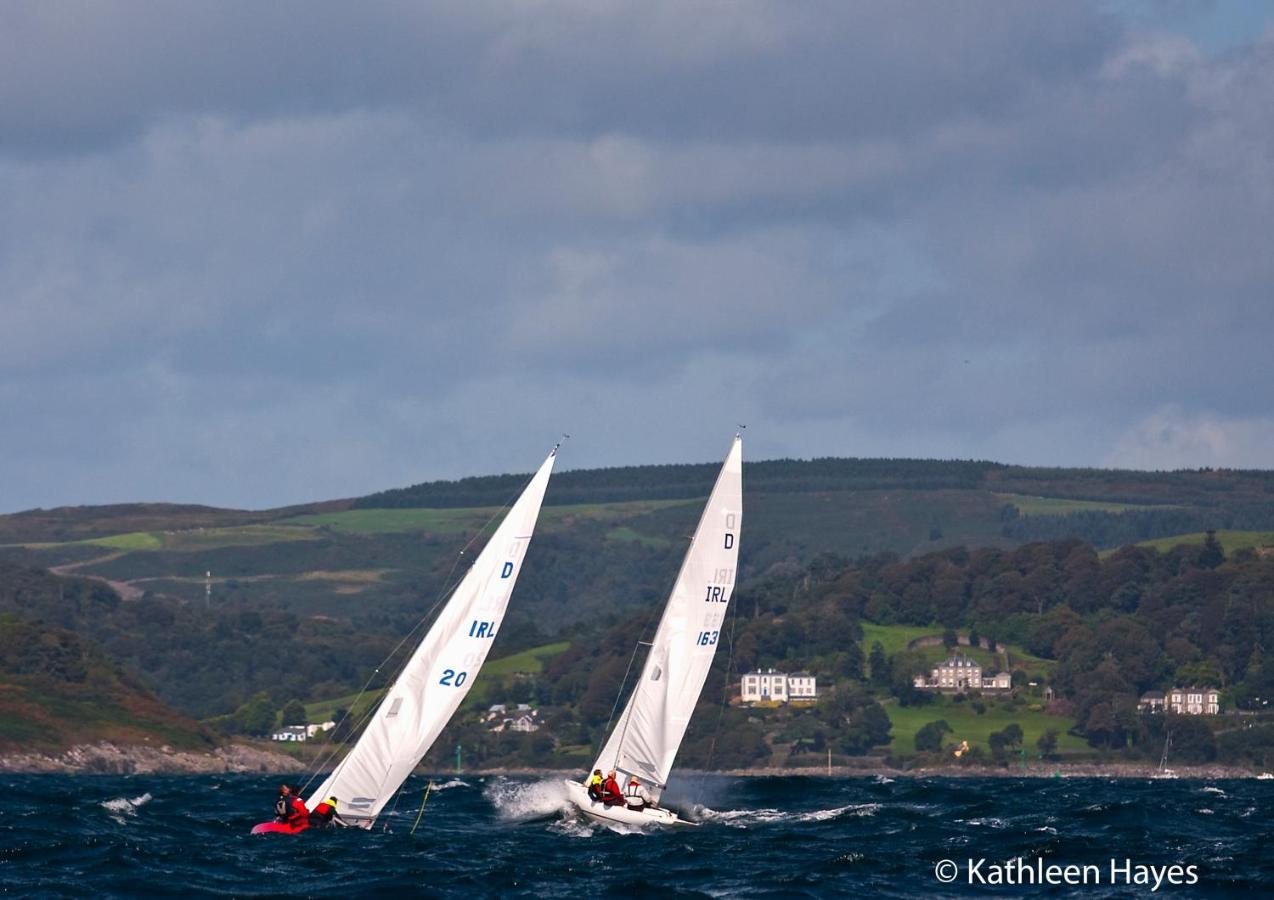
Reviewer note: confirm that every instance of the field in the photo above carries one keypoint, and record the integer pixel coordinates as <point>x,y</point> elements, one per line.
<point>967,725</point>
<point>895,638</point>
<point>453,521</point>
<point>1056,506</point>
<point>204,538</point>
<point>528,661</point>
<point>1230,540</point>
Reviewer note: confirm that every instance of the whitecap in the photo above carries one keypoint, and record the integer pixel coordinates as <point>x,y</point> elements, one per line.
<point>741,818</point>
<point>123,806</point>
<point>854,810</point>
<point>448,785</point>
<point>520,801</point>
<point>744,818</point>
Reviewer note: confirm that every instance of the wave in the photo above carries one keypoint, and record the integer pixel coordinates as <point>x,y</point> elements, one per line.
<point>521,801</point>
<point>123,806</point>
<point>745,818</point>
<point>448,785</point>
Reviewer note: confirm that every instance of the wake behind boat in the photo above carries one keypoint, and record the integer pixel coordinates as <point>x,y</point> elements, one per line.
<point>644,743</point>
<point>435,679</point>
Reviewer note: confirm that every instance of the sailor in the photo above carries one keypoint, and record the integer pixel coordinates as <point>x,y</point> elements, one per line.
<point>635,796</point>
<point>325,813</point>
<point>283,805</point>
<point>298,814</point>
<point>595,785</point>
<point>611,794</point>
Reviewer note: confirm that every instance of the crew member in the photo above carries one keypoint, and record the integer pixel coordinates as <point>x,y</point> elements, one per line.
<point>324,814</point>
<point>635,796</point>
<point>283,805</point>
<point>611,794</point>
<point>298,814</point>
<point>595,785</point>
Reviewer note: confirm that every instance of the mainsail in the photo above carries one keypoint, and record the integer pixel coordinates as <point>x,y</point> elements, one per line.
<point>648,735</point>
<point>418,705</point>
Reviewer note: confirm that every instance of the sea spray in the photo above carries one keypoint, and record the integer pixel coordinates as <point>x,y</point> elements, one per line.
<point>521,801</point>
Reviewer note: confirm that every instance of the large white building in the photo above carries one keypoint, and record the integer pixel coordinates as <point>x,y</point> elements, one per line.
<point>960,673</point>
<point>780,687</point>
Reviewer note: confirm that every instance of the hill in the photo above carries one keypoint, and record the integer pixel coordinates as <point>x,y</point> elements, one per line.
<point>304,603</point>
<point>58,689</point>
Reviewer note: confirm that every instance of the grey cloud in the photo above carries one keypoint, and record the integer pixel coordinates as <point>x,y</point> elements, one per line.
<point>261,255</point>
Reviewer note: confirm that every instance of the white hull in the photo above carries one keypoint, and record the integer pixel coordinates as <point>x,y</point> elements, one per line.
<point>620,815</point>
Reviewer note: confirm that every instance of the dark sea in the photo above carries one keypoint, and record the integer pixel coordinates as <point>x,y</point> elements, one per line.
<point>758,837</point>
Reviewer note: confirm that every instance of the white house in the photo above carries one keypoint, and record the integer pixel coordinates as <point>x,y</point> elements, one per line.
<point>1193,701</point>
<point>291,733</point>
<point>525,723</point>
<point>766,686</point>
<point>802,686</point>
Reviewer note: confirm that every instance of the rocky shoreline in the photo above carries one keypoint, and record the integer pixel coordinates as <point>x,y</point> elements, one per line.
<point>114,759</point>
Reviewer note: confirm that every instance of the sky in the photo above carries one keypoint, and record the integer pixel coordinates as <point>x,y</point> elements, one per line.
<point>260,254</point>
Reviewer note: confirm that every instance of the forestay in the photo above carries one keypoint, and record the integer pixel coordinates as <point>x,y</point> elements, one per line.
<point>439,673</point>
<point>648,735</point>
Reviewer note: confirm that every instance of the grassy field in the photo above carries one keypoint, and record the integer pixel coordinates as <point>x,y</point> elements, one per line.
<point>895,638</point>
<point>967,725</point>
<point>137,540</point>
<point>1055,506</point>
<point>1230,540</point>
<point>323,710</point>
<point>204,538</point>
<point>528,661</point>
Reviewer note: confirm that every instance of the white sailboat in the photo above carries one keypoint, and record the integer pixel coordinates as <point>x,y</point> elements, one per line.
<point>438,675</point>
<point>648,735</point>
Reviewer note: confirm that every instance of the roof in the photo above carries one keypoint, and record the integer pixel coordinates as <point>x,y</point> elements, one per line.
<point>961,661</point>
<point>1152,695</point>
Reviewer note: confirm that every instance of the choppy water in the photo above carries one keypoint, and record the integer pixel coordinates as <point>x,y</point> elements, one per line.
<point>763,837</point>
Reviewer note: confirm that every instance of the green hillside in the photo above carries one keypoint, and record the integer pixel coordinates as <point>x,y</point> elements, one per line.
<point>968,725</point>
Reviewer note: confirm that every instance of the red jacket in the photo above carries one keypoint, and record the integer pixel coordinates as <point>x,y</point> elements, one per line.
<point>298,814</point>
<point>611,792</point>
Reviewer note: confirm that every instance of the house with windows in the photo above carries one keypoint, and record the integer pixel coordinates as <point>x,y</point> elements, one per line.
<point>959,674</point>
<point>1152,701</point>
<point>769,686</point>
<point>1183,701</point>
<point>295,733</point>
<point>523,719</point>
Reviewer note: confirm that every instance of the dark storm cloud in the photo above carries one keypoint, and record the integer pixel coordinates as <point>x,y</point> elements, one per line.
<point>255,254</point>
